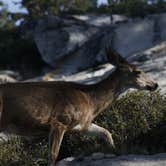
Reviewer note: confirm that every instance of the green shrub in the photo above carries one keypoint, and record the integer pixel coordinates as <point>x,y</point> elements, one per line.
<point>137,121</point>
<point>135,8</point>
<point>132,8</point>
<point>18,53</point>
<point>20,152</point>
<point>134,116</point>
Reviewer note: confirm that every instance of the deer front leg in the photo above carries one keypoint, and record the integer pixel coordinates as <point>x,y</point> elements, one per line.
<point>95,130</point>
<point>55,140</point>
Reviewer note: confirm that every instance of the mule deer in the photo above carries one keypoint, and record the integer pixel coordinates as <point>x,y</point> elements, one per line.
<point>67,106</point>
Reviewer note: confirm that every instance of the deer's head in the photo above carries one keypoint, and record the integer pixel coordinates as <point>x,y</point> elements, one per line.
<point>131,76</point>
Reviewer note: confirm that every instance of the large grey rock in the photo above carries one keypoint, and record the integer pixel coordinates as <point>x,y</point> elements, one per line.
<point>101,20</point>
<point>89,76</point>
<point>152,61</point>
<point>71,43</point>
<point>162,25</point>
<point>134,36</point>
<point>128,160</point>
<point>59,38</point>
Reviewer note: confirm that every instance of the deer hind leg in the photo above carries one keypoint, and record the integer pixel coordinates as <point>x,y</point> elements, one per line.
<point>95,130</point>
<point>55,140</point>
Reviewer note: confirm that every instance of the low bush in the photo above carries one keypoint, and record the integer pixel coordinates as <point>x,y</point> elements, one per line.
<point>18,53</point>
<point>137,122</point>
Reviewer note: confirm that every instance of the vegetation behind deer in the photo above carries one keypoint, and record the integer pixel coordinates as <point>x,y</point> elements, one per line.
<point>137,121</point>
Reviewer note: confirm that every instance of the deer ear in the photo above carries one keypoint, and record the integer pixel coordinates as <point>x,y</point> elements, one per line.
<point>111,56</point>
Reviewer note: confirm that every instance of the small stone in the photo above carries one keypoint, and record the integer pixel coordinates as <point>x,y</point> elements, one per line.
<point>109,155</point>
<point>97,156</point>
<point>66,162</point>
<point>69,159</point>
<point>4,137</point>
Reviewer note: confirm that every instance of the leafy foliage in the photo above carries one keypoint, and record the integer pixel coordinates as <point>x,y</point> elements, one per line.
<point>133,8</point>
<point>137,121</point>
<point>135,116</point>
<point>37,8</point>
<point>17,53</point>
<point>5,19</point>
<point>21,152</point>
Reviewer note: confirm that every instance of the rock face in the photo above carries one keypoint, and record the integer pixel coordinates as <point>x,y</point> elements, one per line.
<point>128,160</point>
<point>58,38</point>
<point>71,43</point>
<point>152,61</point>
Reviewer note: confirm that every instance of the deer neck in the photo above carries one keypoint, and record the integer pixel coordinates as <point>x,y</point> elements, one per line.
<point>106,91</point>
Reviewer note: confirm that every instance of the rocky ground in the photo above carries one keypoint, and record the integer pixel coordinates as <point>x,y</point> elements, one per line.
<point>111,160</point>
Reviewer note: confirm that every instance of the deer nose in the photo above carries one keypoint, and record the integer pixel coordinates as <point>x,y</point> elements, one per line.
<point>152,88</point>
<point>156,86</point>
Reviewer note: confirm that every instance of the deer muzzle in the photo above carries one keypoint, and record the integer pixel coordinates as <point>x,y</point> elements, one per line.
<point>152,88</point>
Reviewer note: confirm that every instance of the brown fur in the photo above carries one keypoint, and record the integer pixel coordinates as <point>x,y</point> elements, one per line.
<point>63,106</point>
